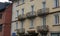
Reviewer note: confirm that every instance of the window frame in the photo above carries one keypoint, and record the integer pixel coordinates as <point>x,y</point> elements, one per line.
<point>22,11</point>
<point>23,1</point>
<point>1,27</point>
<point>1,16</point>
<point>16,24</point>
<point>44,20</point>
<point>56,3</point>
<point>22,24</point>
<point>55,34</point>
<point>31,23</point>
<point>18,3</point>
<point>56,19</point>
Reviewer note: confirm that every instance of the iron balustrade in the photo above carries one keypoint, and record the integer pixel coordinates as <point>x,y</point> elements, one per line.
<point>43,12</point>
<point>31,15</point>
<point>44,29</point>
<point>21,17</point>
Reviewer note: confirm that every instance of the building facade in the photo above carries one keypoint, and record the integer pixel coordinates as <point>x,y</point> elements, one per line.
<point>36,15</point>
<point>5,19</point>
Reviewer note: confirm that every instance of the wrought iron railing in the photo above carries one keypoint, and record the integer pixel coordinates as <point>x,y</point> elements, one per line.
<point>43,11</point>
<point>31,15</point>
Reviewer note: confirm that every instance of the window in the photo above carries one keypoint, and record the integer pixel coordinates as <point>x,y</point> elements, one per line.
<point>56,19</point>
<point>0,16</point>
<point>44,20</point>
<point>0,27</point>
<point>44,0</point>
<point>22,1</point>
<point>44,3</point>
<point>32,7</point>
<point>31,24</point>
<point>22,23</point>
<point>31,0</point>
<point>18,3</point>
<point>55,34</point>
<point>56,3</point>
<point>17,12</point>
<point>23,11</point>
<point>16,24</point>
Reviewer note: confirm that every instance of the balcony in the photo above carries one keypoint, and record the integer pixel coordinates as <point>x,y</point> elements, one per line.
<point>31,15</point>
<point>43,12</point>
<point>21,17</point>
<point>20,31</point>
<point>43,29</point>
<point>31,30</point>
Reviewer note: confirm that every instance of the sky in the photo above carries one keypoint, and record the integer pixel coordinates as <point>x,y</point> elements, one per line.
<point>4,1</point>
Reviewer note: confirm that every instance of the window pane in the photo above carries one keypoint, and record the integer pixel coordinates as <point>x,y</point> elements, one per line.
<point>44,0</point>
<point>0,27</point>
<point>17,3</point>
<point>44,4</point>
<point>23,11</point>
<point>16,24</point>
<point>31,25</point>
<point>22,23</point>
<point>56,19</point>
<point>17,12</point>
<point>44,20</point>
<point>22,1</point>
<point>0,16</point>
<point>56,3</point>
<point>59,34</point>
<point>54,34</point>
<point>31,0</point>
<point>32,8</point>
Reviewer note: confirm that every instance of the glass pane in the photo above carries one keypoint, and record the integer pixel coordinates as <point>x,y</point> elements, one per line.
<point>23,11</point>
<point>59,34</point>
<point>22,24</point>
<point>17,12</point>
<point>44,20</point>
<point>32,7</point>
<point>54,35</point>
<point>16,25</point>
<point>56,19</point>
<point>31,25</point>
<point>0,27</point>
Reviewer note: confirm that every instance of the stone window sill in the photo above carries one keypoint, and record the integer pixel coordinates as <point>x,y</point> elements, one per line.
<point>56,7</point>
<point>57,25</point>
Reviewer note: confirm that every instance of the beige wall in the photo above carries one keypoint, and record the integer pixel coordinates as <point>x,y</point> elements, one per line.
<point>50,19</point>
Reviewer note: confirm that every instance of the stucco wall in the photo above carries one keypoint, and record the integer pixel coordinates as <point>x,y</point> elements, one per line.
<point>50,19</point>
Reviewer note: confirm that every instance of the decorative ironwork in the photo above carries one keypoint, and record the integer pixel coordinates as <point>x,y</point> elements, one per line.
<point>43,29</point>
<point>31,15</point>
<point>21,17</point>
<point>21,30</point>
<point>26,34</point>
<point>43,12</point>
<point>31,30</point>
